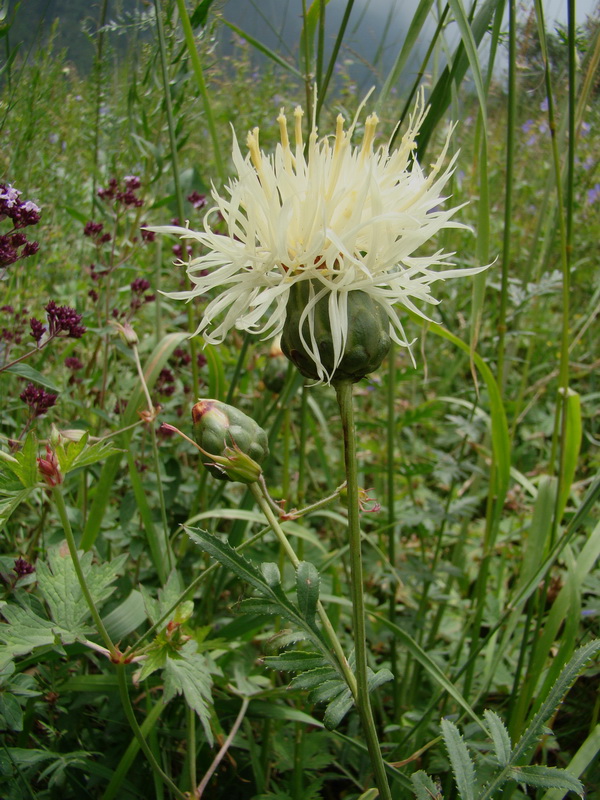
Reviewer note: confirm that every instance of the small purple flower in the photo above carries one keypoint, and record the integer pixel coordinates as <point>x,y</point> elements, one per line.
<point>92,229</point>
<point>132,182</point>
<point>544,104</point>
<point>593,194</point>
<point>73,363</point>
<point>197,200</point>
<point>139,285</point>
<point>64,319</point>
<point>8,253</point>
<point>9,196</point>
<point>585,128</point>
<point>38,400</point>
<point>527,126</point>
<point>22,567</point>
<point>38,329</point>
<point>147,236</point>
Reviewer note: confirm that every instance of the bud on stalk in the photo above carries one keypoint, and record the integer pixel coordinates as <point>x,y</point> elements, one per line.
<point>236,444</point>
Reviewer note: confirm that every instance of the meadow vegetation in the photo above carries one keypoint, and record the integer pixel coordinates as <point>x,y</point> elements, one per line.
<point>167,634</point>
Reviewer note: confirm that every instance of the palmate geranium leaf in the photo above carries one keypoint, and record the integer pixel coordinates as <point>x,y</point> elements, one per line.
<point>25,631</point>
<point>58,584</point>
<point>12,494</point>
<point>74,455</point>
<point>188,672</point>
<point>23,463</point>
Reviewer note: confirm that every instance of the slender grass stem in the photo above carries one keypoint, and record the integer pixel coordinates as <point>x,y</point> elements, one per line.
<point>175,168</point>
<point>344,398</point>
<point>201,83</point>
<point>64,518</point>
<point>508,193</point>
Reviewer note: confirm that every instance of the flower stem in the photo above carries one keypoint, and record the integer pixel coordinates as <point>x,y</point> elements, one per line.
<point>344,398</point>
<point>260,494</point>
<point>62,513</point>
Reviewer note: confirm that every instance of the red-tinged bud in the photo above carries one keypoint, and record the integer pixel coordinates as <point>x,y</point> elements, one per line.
<point>48,467</point>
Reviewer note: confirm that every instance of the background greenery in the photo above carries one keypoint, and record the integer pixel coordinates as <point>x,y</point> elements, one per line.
<point>481,560</point>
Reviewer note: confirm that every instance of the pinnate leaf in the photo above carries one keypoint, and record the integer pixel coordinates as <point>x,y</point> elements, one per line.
<point>462,765</point>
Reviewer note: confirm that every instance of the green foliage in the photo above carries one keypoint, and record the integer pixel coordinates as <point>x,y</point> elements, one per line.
<point>481,587</point>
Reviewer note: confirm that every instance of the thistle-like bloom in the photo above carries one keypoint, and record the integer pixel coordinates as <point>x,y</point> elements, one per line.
<point>342,217</point>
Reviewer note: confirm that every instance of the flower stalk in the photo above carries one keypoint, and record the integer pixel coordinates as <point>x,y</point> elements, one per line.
<point>363,704</point>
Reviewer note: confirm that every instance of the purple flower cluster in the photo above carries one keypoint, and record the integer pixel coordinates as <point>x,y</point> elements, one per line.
<point>64,319</point>
<point>38,400</point>
<point>14,244</point>
<point>22,567</point>
<point>124,195</point>
<point>138,288</point>
<point>61,320</point>
<point>14,330</point>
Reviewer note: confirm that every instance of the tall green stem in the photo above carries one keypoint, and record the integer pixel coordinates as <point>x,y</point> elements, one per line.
<point>344,398</point>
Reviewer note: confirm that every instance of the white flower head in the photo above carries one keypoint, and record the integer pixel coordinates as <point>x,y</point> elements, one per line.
<point>344,217</point>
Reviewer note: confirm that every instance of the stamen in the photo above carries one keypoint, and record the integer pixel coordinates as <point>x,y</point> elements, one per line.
<point>283,130</point>
<point>370,128</point>
<point>298,114</point>
<point>339,133</point>
<point>254,149</point>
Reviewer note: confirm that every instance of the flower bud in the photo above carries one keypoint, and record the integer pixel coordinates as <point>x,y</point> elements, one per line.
<point>367,343</point>
<point>235,443</point>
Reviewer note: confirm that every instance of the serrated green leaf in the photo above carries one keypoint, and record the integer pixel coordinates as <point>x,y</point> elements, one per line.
<point>189,674</point>
<point>500,736</point>
<point>462,764</point>
<point>295,660</point>
<point>91,454</point>
<point>259,605</point>
<point>228,557</point>
<point>307,590</point>
<point>547,778</point>
<point>313,677</point>
<point>57,581</point>
<point>167,597</point>
<point>375,679</point>
<point>26,631</point>
<point>271,573</point>
<point>327,691</point>
<point>562,685</point>
<point>10,502</point>
<point>156,659</point>
<point>11,710</point>
<point>24,462</point>
<point>424,786</point>
<point>337,709</point>
<point>232,560</point>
